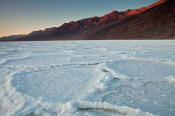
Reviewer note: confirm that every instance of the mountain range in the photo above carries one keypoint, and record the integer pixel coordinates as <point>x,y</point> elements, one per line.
<point>156,21</point>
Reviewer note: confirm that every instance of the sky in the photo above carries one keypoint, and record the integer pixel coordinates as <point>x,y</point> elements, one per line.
<point>24,16</point>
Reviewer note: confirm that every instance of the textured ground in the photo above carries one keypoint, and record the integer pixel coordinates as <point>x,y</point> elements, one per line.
<point>89,78</point>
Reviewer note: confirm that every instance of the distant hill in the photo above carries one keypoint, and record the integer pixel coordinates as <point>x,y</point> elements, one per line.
<point>12,37</point>
<point>156,21</point>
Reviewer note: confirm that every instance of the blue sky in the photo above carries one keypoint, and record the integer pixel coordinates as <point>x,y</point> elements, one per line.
<point>24,16</point>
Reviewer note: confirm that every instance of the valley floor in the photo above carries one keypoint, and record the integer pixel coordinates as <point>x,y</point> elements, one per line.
<point>87,78</point>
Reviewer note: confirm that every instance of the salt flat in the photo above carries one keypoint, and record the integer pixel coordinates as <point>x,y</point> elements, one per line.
<point>87,78</point>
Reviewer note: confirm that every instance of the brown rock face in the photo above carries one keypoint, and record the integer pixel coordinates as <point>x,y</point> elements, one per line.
<point>158,22</point>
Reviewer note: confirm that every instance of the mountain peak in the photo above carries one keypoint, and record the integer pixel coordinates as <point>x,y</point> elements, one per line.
<point>114,12</point>
<point>142,9</point>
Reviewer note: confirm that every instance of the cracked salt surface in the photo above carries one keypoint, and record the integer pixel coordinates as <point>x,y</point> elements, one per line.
<point>89,78</point>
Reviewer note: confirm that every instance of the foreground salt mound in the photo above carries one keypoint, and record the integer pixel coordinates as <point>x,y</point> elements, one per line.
<point>19,104</point>
<point>79,108</point>
<point>147,84</point>
<point>29,88</point>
